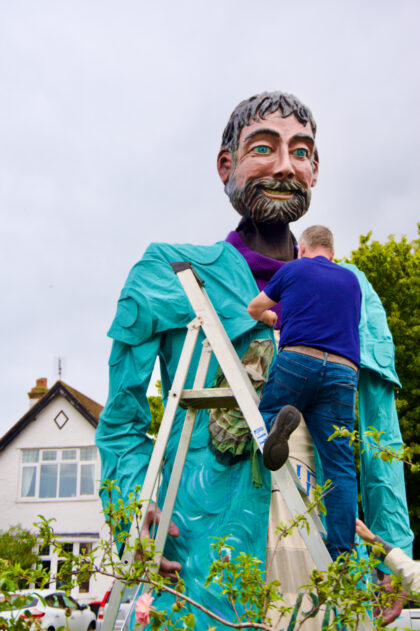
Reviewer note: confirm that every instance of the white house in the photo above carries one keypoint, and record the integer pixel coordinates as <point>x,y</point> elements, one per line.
<point>49,466</point>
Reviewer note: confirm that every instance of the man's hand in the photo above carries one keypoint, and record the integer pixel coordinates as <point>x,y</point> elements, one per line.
<point>364,532</point>
<point>167,568</point>
<point>259,307</point>
<point>269,317</point>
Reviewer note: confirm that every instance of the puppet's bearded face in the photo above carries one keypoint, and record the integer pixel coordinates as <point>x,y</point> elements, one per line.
<point>269,200</point>
<point>271,175</point>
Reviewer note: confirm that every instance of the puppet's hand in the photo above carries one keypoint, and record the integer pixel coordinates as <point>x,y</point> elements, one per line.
<point>167,568</point>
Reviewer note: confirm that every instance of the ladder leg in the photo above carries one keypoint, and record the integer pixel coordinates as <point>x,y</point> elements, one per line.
<point>181,455</point>
<point>155,463</point>
<point>175,479</point>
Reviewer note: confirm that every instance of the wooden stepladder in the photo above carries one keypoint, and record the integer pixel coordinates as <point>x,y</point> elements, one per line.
<point>240,394</point>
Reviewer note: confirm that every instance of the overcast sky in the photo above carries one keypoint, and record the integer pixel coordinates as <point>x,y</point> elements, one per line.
<point>111,119</point>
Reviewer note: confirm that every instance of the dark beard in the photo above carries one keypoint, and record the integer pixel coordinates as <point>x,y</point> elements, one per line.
<point>251,202</point>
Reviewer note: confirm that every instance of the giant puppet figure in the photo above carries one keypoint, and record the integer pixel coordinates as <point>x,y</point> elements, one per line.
<point>268,163</point>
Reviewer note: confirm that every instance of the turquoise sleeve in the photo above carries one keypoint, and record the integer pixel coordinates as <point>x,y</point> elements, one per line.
<point>382,483</point>
<point>121,436</point>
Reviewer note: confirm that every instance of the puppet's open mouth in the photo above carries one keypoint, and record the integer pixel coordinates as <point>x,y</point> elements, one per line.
<point>278,194</point>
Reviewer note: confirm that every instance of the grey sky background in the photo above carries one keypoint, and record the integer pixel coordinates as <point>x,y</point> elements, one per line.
<point>111,119</point>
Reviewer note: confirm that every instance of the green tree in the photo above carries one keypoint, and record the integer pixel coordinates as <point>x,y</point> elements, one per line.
<point>17,547</point>
<point>338,591</point>
<point>393,270</point>
<point>156,410</point>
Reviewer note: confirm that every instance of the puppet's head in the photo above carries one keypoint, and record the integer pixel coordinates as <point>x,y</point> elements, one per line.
<point>268,160</point>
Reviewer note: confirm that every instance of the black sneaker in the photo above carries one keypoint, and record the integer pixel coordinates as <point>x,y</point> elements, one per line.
<point>276,449</point>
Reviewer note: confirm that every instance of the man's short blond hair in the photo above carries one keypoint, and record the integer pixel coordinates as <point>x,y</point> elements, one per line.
<point>318,237</point>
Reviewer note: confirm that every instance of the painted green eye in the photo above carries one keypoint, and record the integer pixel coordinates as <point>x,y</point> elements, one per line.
<point>301,153</point>
<point>262,150</point>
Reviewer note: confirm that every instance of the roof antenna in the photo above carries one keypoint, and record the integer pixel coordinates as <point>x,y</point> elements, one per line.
<point>59,367</point>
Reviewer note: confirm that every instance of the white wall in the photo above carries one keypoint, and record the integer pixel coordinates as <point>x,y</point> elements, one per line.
<point>82,515</point>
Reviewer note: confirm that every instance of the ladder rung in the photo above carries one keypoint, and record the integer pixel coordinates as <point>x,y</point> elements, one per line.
<point>207,398</point>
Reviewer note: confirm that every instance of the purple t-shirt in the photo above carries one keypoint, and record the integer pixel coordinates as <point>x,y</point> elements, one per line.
<point>262,267</point>
<point>320,306</point>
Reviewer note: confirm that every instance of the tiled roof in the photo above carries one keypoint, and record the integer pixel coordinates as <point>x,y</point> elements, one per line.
<point>85,405</point>
<point>89,404</point>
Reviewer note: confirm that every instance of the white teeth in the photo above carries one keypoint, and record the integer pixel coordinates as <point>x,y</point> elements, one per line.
<point>267,190</point>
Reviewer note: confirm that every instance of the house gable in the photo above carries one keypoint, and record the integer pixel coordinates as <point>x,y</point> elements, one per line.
<point>88,408</point>
<point>49,466</point>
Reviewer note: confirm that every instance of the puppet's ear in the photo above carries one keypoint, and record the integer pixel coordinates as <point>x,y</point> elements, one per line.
<point>315,168</point>
<point>224,165</point>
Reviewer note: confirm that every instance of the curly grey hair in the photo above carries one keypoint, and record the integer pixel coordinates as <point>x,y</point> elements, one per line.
<point>259,106</point>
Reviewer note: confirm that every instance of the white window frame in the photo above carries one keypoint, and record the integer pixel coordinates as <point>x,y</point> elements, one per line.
<point>58,461</point>
<point>54,560</point>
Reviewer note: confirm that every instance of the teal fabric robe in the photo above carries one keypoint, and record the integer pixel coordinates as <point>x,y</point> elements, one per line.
<point>214,500</point>
<point>217,500</point>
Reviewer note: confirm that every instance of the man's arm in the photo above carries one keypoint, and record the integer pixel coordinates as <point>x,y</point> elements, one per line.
<point>394,558</point>
<point>259,307</point>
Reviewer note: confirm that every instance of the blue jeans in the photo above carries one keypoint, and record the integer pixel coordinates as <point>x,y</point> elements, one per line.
<point>325,393</point>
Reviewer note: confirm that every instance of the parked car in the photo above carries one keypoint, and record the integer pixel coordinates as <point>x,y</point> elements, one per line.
<point>50,607</point>
<point>409,618</point>
<point>97,606</point>
<point>128,596</point>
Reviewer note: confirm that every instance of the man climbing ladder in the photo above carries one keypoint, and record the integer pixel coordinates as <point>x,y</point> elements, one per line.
<point>316,370</point>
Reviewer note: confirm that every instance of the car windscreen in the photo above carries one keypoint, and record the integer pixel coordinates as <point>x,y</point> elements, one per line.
<point>22,601</point>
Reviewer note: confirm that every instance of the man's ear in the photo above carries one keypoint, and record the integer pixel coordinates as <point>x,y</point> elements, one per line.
<point>224,165</point>
<point>301,249</point>
<point>315,166</point>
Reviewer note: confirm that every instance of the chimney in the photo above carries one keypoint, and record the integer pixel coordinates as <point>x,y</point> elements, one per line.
<point>37,391</point>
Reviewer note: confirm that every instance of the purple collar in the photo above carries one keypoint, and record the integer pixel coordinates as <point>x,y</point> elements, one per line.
<point>262,267</point>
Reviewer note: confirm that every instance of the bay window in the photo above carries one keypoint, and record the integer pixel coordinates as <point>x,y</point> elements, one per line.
<point>58,473</point>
